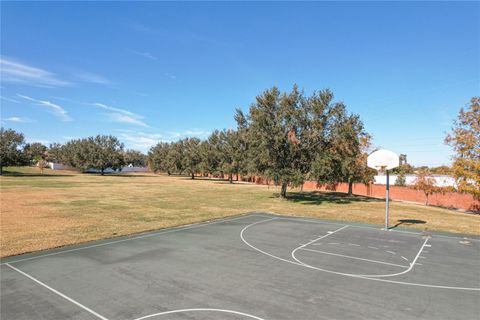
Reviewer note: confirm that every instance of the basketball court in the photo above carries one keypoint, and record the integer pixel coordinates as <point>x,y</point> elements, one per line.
<point>256,266</point>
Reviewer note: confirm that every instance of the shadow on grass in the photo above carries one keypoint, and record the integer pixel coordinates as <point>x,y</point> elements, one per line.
<point>407,222</point>
<point>318,197</point>
<point>202,178</point>
<point>31,174</point>
<point>236,183</point>
<point>121,174</point>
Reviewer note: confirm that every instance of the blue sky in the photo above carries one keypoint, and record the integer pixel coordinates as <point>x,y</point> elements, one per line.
<point>151,71</point>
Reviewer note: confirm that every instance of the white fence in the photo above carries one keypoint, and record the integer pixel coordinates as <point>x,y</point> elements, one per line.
<point>124,169</point>
<point>58,166</point>
<point>129,168</point>
<point>440,180</point>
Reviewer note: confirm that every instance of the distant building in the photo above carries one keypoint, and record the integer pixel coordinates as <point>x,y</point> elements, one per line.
<point>59,166</point>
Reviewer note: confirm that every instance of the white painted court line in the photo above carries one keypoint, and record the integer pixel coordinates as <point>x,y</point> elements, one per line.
<point>356,258</point>
<point>294,218</point>
<point>329,233</point>
<point>412,264</point>
<point>149,235</point>
<point>424,285</point>
<point>57,292</point>
<point>197,310</point>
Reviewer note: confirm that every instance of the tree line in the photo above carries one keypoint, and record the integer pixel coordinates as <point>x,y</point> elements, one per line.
<point>287,137</point>
<point>100,152</point>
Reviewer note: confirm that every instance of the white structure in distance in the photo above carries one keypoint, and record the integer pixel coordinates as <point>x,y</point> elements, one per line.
<point>441,180</point>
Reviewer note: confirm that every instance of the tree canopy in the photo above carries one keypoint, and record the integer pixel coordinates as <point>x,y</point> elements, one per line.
<point>465,140</point>
<point>134,158</point>
<point>11,153</point>
<point>100,152</point>
<point>293,137</point>
<point>285,136</point>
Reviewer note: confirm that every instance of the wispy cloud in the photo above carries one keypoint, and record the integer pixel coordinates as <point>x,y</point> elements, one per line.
<point>92,78</point>
<point>147,55</point>
<point>140,140</point>
<point>199,133</point>
<point>17,119</point>
<point>53,108</point>
<point>9,100</point>
<point>17,72</point>
<point>144,141</point>
<point>122,115</point>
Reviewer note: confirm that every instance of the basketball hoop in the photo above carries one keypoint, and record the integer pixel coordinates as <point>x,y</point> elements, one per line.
<point>382,161</point>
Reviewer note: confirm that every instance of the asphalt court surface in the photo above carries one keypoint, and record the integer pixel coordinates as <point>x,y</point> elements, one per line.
<point>257,266</point>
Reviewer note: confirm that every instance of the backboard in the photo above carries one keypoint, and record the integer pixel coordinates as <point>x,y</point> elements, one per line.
<point>383,160</point>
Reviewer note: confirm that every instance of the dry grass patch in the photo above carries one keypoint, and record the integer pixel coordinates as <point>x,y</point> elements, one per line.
<point>41,212</point>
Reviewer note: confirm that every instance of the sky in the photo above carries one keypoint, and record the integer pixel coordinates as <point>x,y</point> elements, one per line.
<point>159,71</point>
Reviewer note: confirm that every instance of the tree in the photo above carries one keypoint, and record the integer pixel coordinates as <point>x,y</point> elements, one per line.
<point>100,152</point>
<point>11,143</point>
<point>158,158</point>
<point>426,183</point>
<point>346,151</point>
<point>135,158</point>
<point>292,137</point>
<point>446,170</point>
<point>34,152</point>
<point>339,146</point>
<point>191,156</point>
<point>401,180</point>
<point>210,153</point>
<point>271,119</point>
<point>230,157</point>
<point>465,140</point>
<point>402,170</point>
<point>54,153</point>
<point>242,155</point>
<point>42,164</point>
<point>106,152</point>
<point>175,157</point>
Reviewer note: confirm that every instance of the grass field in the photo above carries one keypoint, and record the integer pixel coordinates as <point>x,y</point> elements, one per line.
<point>60,208</point>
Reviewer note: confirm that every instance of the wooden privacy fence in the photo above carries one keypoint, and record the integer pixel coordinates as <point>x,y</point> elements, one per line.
<point>452,200</point>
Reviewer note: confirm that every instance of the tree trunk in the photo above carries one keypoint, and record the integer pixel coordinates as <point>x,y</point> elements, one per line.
<point>102,171</point>
<point>193,176</point>
<point>230,177</point>
<point>237,176</point>
<point>283,192</point>
<point>1,170</point>
<point>350,187</point>
<point>426,199</point>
